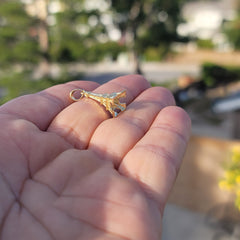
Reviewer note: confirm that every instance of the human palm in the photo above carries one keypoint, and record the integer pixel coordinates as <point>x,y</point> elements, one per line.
<point>67,171</point>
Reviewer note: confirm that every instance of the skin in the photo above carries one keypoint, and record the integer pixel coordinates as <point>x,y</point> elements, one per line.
<point>69,171</point>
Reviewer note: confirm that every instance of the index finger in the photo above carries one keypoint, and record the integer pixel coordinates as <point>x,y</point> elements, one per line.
<point>78,122</point>
<point>40,108</point>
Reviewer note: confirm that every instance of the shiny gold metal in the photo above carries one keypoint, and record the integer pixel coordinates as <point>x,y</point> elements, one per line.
<point>110,101</point>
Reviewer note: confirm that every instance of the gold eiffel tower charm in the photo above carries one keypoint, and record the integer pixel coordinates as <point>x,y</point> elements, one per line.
<point>110,101</point>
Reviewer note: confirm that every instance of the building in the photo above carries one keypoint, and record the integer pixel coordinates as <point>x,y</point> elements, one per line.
<point>203,19</point>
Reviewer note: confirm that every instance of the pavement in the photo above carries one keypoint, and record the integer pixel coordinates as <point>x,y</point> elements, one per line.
<point>182,224</point>
<point>159,73</point>
<point>178,223</point>
<point>154,72</point>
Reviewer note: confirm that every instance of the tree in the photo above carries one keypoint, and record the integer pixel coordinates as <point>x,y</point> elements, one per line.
<point>76,32</point>
<point>232,31</point>
<point>30,31</point>
<point>18,42</point>
<point>40,12</point>
<point>145,23</point>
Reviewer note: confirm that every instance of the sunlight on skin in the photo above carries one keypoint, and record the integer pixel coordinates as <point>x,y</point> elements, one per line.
<point>68,171</point>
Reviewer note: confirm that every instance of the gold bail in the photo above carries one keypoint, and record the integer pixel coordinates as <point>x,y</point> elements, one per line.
<point>71,94</point>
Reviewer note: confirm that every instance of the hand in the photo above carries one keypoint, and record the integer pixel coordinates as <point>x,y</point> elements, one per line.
<point>68,171</point>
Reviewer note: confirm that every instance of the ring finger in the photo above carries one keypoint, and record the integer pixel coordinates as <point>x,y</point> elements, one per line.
<point>115,137</point>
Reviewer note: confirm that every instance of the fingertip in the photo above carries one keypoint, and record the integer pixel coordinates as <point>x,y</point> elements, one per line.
<point>137,77</point>
<point>89,84</point>
<point>165,93</point>
<point>177,118</point>
<point>138,80</point>
<point>177,113</point>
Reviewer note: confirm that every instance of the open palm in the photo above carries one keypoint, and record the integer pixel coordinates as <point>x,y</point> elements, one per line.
<point>68,171</point>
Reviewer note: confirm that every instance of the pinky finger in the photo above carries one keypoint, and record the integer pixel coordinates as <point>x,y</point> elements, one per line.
<point>155,159</point>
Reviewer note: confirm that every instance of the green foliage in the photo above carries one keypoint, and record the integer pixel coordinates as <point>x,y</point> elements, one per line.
<point>74,34</point>
<point>112,49</point>
<point>101,50</point>
<point>152,22</point>
<point>214,75</point>
<point>94,53</point>
<point>231,180</point>
<point>155,53</point>
<point>73,38</point>
<point>15,84</point>
<point>147,24</point>
<point>16,43</point>
<point>205,44</point>
<point>232,31</point>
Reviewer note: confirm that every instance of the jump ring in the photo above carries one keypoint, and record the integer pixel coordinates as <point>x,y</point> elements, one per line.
<point>71,94</point>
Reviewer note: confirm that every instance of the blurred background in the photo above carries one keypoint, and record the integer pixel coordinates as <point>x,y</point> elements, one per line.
<point>191,47</point>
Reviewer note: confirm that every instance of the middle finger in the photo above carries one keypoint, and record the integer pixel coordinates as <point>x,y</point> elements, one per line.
<point>77,123</point>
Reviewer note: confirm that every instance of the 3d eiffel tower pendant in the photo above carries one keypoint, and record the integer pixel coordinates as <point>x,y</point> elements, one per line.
<point>110,101</point>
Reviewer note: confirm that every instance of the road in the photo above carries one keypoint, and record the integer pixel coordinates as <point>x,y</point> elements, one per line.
<point>161,73</point>
<point>154,72</point>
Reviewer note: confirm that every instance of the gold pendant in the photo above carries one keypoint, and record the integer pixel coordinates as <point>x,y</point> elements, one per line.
<point>109,101</point>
